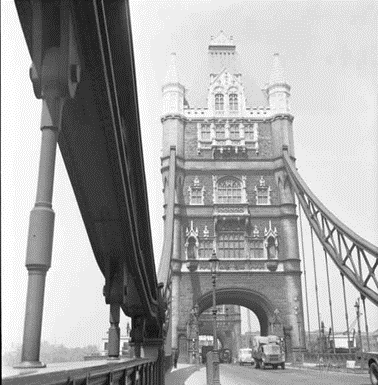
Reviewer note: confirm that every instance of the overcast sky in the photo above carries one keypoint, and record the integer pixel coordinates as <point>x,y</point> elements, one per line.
<point>329,52</point>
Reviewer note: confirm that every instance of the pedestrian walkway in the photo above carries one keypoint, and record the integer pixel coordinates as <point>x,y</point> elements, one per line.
<point>186,374</point>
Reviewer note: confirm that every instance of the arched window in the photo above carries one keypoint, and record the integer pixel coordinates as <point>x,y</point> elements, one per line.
<point>219,102</point>
<point>233,98</point>
<point>229,191</point>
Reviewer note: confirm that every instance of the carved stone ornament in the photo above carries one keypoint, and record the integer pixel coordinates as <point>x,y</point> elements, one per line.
<point>206,232</point>
<point>191,245</point>
<point>271,242</point>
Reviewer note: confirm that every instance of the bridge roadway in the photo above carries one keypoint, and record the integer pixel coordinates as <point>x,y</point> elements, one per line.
<point>243,375</point>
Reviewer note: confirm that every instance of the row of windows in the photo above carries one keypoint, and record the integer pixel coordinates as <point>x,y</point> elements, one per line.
<point>232,245</point>
<point>230,191</point>
<point>234,132</point>
<point>232,100</point>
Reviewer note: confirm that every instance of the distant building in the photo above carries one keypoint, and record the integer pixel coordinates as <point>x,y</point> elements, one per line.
<point>124,349</point>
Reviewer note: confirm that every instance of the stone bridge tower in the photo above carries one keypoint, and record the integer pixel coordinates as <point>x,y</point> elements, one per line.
<point>232,195</point>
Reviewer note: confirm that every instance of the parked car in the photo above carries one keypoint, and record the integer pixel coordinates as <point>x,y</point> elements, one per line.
<point>245,356</point>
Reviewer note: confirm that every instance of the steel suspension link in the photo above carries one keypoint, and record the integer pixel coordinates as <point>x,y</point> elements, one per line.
<point>305,276</point>
<point>330,300</point>
<point>316,286</point>
<point>343,245</point>
<point>366,322</point>
<point>346,311</point>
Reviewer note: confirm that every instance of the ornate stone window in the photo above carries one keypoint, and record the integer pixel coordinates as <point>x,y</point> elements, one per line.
<point>233,99</point>
<point>248,132</point>
<point>230,245</point>
<point>251,135</point>
<point>256,244</point>
<point>262,193</point>
<point>229,191</point>
<point>205,132</point>
<point>234,132</point>
<point>219,102</point>
<point>220,132</point>
<point>206,247</point>
<point>196,193</point>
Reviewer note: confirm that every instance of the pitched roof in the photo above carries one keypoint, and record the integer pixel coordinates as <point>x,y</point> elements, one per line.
<point>221,41</point>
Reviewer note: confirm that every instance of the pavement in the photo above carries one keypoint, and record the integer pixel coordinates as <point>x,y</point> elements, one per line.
<point>186,374</point>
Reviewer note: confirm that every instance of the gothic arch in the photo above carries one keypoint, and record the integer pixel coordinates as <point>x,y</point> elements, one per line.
<point>248,298</point>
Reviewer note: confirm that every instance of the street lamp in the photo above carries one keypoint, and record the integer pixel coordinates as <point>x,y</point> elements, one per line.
<point>297,314</point>
<point>214,266</point>
<point>196,333</point>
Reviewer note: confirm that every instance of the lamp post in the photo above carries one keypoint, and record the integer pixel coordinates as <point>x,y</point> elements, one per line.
<point>214,265</point>
<point>296,308</point>
<point>196,329</point>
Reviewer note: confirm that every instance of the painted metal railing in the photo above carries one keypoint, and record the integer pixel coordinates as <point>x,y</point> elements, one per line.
<point>355,257</point>
<point>121,372</point>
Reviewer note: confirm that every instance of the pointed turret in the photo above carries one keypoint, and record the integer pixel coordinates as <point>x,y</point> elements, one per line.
<point>278,90</point>
<point>172,75</point>
<point>173,91</point>
<point>279,101</point>
<point>277,74</point>
<point>173,109</point>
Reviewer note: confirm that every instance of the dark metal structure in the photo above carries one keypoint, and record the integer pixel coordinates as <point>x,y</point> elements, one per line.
<point>83,52</point>
<point>355,257</point>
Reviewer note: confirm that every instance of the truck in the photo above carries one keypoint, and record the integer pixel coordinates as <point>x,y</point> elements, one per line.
<point>268,351</point>
<point>245,356</point>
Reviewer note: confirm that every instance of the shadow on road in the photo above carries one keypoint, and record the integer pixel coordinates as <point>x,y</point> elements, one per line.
<point>179,376</point>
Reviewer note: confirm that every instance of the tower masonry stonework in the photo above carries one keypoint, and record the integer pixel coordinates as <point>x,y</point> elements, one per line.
<point>232,196</point>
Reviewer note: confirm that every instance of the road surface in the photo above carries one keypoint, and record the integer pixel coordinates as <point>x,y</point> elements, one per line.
<point>243,375</point>
<point>246,375</point>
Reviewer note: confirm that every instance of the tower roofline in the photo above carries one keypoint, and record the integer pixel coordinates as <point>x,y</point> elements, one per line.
<point>277,75</point>
<point>172,73</point>
<point>221,41</point>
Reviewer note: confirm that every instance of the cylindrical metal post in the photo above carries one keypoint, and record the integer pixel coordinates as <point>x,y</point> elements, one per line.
<point>114,332</point>
<point>215,339</point>
<point>40,237</point>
